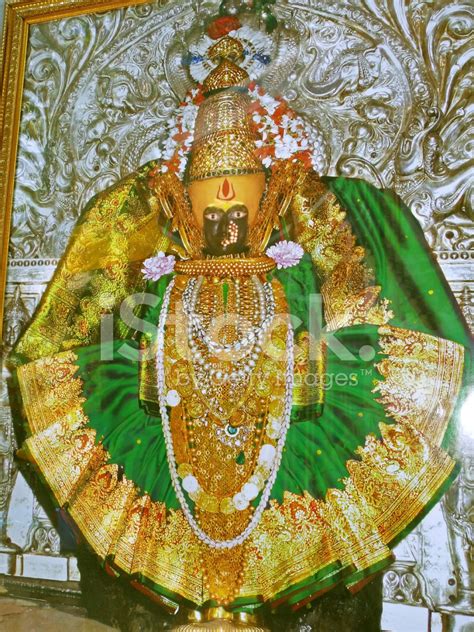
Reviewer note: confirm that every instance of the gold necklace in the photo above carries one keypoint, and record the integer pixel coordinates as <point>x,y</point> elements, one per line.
<point>222,268</point>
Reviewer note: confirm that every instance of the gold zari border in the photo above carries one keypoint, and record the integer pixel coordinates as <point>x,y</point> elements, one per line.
<point>388,485</point>
<point>349,295</point>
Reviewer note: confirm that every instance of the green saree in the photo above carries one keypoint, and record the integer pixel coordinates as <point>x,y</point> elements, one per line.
<point>358,470</point>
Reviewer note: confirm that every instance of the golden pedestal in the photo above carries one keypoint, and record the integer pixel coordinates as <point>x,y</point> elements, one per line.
<point>220,620</point>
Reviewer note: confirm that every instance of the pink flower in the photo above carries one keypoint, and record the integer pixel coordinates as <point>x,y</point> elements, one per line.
<point>285,254</point>
<point>155,267</point>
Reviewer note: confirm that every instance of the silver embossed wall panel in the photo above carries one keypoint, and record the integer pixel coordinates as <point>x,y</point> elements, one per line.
<point>386,82</point>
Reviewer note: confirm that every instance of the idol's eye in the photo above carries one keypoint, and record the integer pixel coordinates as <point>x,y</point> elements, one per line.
<point>238,214</point>
<point>213,214</point>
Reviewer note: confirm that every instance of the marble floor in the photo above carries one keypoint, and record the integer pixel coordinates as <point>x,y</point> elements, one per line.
<point>21,615</point>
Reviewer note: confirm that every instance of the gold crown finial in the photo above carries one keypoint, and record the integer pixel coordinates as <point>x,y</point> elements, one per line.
<point>227,52</point>
<point>224,140</point>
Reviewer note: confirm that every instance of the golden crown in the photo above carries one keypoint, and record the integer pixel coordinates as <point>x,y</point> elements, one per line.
<point>224,141</point>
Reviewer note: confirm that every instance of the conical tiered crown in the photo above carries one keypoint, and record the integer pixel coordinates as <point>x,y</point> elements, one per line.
<point>224,141</point>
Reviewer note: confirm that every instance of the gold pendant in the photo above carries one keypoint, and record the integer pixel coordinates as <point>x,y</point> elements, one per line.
<point>220,620</point>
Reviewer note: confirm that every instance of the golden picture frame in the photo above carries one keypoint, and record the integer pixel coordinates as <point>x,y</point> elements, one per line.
<point>19,16</point>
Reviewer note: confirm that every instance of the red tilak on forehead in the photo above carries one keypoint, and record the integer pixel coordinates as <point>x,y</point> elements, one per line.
<point>226,191</point>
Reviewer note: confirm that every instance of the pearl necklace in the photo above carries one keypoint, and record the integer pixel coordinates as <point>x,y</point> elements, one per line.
<point>170,454</point>
<point>248,348</point>
<point>255,336</point>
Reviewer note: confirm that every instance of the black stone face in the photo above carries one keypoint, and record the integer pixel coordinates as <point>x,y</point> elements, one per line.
<point>225,232</point>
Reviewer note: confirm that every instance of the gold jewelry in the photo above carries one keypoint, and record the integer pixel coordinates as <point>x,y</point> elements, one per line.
<point>281,187</point>
<point>248,418</point>
<point>174,200</point>
<point>221,268</point>
<point>226,75</point>
<point>224,141</point>
<point>227,51</point>
<point>226,48</point>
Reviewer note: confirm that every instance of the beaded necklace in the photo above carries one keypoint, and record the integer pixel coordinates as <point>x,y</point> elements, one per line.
<point>274,457</point>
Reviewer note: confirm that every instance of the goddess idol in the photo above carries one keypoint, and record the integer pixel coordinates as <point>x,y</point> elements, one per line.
<point>240,381</point>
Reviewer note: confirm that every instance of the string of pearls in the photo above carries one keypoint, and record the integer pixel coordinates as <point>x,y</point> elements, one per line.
<point>255,336</point>
<point>170,455</point>
<point>247,349</point>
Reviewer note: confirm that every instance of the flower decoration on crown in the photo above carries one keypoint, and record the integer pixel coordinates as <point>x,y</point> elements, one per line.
<point>179,140</point>
<point>282,133</point>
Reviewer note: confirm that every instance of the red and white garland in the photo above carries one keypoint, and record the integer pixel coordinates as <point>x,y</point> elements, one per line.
<point>282,134</point>
<point>177,146</point>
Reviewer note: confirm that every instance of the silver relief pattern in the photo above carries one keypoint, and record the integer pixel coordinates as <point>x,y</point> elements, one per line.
<point>388,85</point>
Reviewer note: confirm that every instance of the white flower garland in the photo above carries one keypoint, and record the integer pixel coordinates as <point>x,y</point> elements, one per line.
<point>290,136</point>
<point>182,124</point>
<point>162,397</point>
